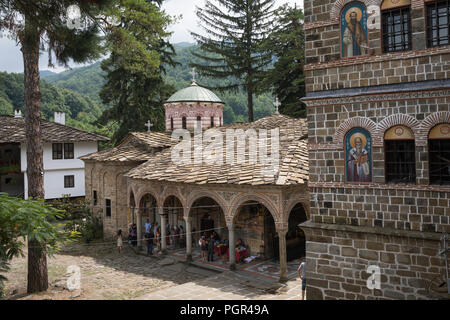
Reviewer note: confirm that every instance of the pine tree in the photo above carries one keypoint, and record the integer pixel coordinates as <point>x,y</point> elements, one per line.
<point>45,25</point>
<point>236,31</point>
<point>286,78</point>
<point>135,88</point>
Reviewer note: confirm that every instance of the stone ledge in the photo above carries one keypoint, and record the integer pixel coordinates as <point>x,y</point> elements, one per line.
<point>372,230</point>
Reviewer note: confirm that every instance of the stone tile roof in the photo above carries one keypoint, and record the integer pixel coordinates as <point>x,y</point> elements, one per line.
<point>136,146</point>
<point>12,130</point>
<point>293,165</point>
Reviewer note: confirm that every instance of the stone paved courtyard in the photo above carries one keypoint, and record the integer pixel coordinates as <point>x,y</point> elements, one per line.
<point>108,275</point>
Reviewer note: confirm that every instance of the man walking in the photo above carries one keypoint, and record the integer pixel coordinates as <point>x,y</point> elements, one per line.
<point>302,274</point>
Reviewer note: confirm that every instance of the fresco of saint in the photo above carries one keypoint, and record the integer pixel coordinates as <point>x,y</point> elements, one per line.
<point>358,156</point>
<point>354,30</point>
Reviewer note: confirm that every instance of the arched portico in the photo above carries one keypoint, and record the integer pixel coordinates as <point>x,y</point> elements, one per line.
<point>172,216</point>
<point>256,220</point>
<point>204,216</point>
<point>146,212</point>
<point>295,237</point>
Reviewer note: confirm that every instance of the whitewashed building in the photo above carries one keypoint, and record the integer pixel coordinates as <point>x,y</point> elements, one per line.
<point>62,146</point>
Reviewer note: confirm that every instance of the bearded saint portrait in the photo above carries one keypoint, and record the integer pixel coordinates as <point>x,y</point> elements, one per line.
<point>358,160</point>
<point>354,40</point>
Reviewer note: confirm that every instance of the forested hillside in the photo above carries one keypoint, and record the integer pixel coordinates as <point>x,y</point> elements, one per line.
<point>80,110</point>
<point>75,92</point>
<point>89,80</point>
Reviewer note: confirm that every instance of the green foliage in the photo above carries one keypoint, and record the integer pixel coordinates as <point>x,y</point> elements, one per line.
<point>135,88</point>
<point>27,219</point>
<point>236,31</point>
<point>89,227</point>
<point>286,78</point>
<point>80,110</point>
<point>87,81</point>
<point>235,109</point>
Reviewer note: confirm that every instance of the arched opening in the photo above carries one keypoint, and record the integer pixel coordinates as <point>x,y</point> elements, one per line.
<point>183,123</point>
<point>131,209</point>
<point>295,237</point>
<point>207,216</point>
<point>171,123</point>
<point>400,155</point>
<point>148,209</point>
<point>255,227</point>
<point>199,122</point>
<point>173,209</point>
<point>439,154</point>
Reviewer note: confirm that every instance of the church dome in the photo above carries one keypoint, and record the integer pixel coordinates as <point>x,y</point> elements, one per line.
<point>194,93</point>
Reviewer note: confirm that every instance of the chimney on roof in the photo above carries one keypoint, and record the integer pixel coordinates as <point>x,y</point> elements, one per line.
<point>17,113</point>
<point>60,117</point>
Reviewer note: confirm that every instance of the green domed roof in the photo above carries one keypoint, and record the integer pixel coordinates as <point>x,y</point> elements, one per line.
<point>194,93</point>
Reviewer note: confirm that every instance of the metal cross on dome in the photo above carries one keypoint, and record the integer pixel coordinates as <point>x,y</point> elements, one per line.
<point>277,103</point>
<point>149,125</point>
<point>193,73</point>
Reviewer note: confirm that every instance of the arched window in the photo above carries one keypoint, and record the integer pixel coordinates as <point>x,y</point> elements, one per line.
<point>400,155</point>
<point>354,32</point>
<point>212,121</point>
<point>396,25</point>
<point>358,155</point>
<point>199,121</point>
<point>183,123</point>
<point>438,16</point>
<point>439,151</point>
<point>171,123</point>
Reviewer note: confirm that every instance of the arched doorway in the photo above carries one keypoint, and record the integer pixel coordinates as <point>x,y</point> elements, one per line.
<point>295,237</point>
<point>207,216</point>
<point>173,210</point>
<point>148,209</point>
<point>255,226</point>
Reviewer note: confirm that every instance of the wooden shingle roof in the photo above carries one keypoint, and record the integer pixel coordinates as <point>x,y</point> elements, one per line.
<point>293,161</point>
<point>12,130</point>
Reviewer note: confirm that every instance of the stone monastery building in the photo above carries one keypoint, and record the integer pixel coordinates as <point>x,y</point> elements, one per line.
<point>378,105</point>
<point>367,177</point>
<point>138,180</point>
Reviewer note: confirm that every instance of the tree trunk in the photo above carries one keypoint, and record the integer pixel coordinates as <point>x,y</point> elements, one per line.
<point>37,259</point>
<point>250,103</point>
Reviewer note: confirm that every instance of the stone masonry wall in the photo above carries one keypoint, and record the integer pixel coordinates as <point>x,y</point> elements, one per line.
<point>337,262</point>
<point>325,70</point>
<point>108,180</point>
<point>352,226</point>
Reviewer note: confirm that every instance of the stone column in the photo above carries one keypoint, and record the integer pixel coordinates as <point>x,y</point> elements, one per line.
<point>188,238</point>
<point>163,230</point>
<point>139,228</point>
<point>231,245</point>
<point>283,255</point>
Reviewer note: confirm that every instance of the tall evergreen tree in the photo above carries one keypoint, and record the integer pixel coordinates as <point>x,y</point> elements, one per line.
<point>286,78</point>
<point>53,26</point>
<point>233,47</point>
<point>43,25</point>
<point>135,88</point>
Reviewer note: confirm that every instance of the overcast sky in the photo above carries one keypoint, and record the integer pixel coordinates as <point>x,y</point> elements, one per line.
<point>11,57</point>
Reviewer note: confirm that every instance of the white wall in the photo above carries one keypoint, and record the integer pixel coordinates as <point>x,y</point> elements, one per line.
<point>55,170</point>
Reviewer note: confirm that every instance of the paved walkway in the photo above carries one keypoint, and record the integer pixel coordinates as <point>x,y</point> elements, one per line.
<point>229,285</point>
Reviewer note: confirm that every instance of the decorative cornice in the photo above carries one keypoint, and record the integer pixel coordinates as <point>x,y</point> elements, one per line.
<point>377,58</point>
<point>377,97</point>
<point>381,186</point>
